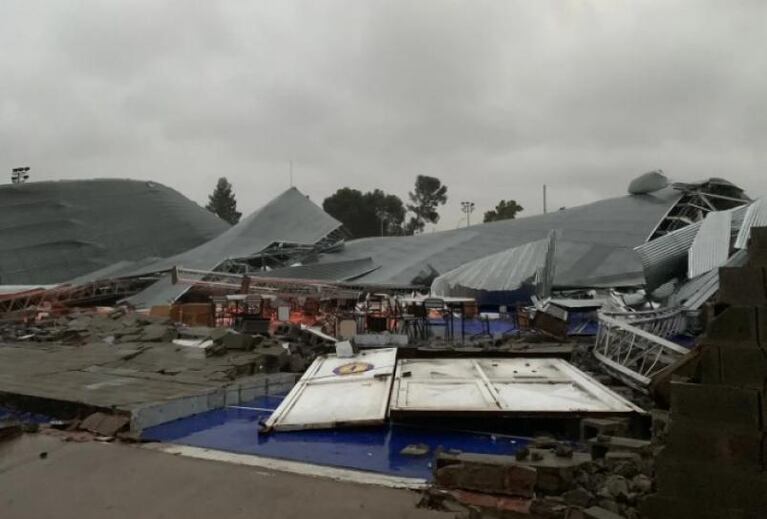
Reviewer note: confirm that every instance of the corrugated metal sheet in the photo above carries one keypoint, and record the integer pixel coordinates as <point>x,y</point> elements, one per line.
<point>502,272</point>
<point>595,249</point>
<point>711,246</point>
<point>756,216</point>
<point>289,218</point>
<point>338,271</point>
<point>54,231</point>
<point>695,292</point>
<point>666,257</point>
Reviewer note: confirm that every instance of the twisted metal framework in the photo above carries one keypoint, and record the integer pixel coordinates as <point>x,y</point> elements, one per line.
<point>633,346</point>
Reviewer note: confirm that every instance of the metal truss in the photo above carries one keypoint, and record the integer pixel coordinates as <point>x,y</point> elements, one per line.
<point>634,347</point>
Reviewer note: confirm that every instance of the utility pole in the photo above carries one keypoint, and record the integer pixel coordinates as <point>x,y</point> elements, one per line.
<point>468,208</point>
<point>20,175</point>
<point>544,198</point>
<point>291,173</point>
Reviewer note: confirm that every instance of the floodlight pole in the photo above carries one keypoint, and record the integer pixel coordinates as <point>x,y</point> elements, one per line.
<point>20,175</point>
<point>468,208</point>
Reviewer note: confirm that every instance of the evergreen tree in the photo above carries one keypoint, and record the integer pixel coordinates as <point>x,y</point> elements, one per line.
<point>505,210</point>
<point>222,202</point>
<point>429,194</point>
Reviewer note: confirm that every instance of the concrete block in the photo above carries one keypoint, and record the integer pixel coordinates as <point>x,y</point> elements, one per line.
<point>743,366</point>
<point>711,484</point>
<point>733,405</point>
<point>596,512</point>
<point>736,325</point>
<point>158,333</point>
<point>592,427</point>
<point>761,319</point>
<point>238,341</point>
<point>660,506</point>
<point>692,439</point>
<point>757,247</point>
<point>710,365</point>
<point>742,286</point>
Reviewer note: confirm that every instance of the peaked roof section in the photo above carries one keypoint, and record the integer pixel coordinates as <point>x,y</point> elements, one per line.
<point>289,218</point>
<point>54,231</point>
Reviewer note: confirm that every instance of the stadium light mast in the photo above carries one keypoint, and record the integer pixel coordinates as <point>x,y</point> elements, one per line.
<point>20,175</point>
<point>468,208</point>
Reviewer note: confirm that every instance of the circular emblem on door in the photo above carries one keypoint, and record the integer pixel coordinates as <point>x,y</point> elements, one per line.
<point>353,368</point>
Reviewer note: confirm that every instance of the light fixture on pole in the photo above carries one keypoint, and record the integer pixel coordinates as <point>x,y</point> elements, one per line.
<point>20,175</point>
<point>468,208</point>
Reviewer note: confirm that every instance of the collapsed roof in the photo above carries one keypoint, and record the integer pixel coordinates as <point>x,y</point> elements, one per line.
<point>595,248</point>
<point>55,231</point>
<point>597,245</point>
<point>289,226</point>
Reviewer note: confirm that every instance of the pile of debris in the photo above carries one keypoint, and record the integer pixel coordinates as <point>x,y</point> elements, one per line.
<point>135,333</point>
<point>714,463</point>
<point>548,480</point>
<point>149,369</point>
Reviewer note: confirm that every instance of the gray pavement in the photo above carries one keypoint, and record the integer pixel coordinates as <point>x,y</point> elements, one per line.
<point>93,480</point>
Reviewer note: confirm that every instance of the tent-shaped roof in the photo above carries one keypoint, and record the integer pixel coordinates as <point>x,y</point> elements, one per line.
<point>289,218</point>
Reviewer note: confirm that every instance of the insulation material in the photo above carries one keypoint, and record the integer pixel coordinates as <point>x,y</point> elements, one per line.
<point>711,246</point>
<point>339,392</point>
<point>524,386</point>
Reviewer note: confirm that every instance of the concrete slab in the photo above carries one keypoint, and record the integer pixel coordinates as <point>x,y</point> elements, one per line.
<point>94,480</point>
<point>151,383</point>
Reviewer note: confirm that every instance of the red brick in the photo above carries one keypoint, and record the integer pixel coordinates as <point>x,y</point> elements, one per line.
<point>506,479</point>
<point>508,504</point>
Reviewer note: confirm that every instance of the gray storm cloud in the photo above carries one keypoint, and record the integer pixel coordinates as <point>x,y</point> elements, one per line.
<point>494,97</point>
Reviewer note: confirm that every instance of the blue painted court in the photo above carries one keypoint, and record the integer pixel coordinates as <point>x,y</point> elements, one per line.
<point>371,449</point>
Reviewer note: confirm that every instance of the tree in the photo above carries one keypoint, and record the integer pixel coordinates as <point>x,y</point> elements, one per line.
<point>223,203</point>
<point>505,210</point>
<point>429,193</point>
<point>374,213</point>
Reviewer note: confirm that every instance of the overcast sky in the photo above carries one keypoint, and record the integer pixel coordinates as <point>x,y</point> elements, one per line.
<point>495,97</point>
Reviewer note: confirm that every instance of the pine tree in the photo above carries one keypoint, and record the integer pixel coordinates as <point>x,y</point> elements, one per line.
<point>223,203</point>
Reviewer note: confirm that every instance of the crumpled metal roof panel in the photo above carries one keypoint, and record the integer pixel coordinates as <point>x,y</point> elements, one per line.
<point>55,231</point>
